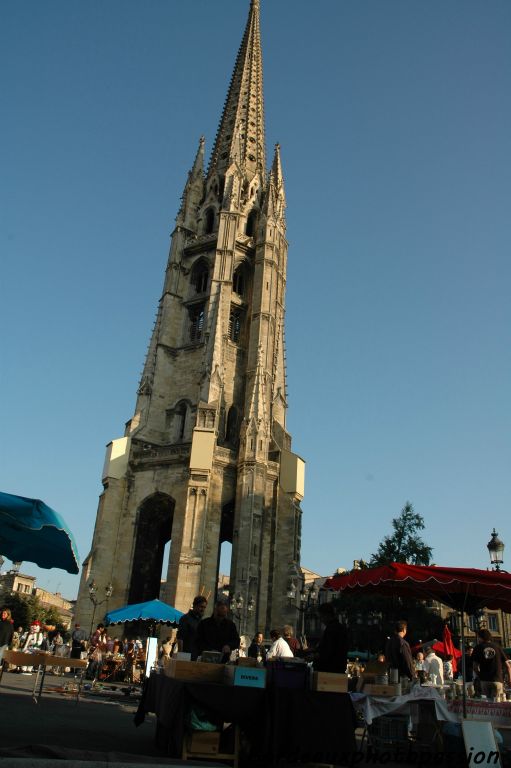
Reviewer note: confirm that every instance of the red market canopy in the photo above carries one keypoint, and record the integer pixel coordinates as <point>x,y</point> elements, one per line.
<point>464,589</point>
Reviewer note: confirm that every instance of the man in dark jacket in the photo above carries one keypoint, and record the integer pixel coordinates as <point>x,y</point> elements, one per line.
<point>491,664</point>
<point>218,633</point>
<point>332,651</point>
<point>398,652</point>
<point>78,642</point>
<point>188,626</point>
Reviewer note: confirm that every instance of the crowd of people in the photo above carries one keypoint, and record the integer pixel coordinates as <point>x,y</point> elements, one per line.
<point>197,635</point>
<point>486,664</point>
<point>75,644</point>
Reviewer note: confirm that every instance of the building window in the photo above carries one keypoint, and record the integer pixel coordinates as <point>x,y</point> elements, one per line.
<point>210,221</point>
<point>472,623</point>
<point>238,281</point>
<point>251,222</point>
<point>232,425</point>
<point>197,316</point>
<point>493,622</point>
<point>235,321</point>
<point>200,276</point>
<point>176,422</point>
<point>180,419</point>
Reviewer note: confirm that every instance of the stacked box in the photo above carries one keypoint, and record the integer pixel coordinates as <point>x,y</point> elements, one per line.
<point>393,689</point>
<point>203,742</point>
<point>331,682</point>
<point>194,671</point>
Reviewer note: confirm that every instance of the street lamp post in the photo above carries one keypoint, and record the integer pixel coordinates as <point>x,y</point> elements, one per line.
<point>308,597</point>
<point>496,550</point>
<point>236,604</point>
<point>93,595</point>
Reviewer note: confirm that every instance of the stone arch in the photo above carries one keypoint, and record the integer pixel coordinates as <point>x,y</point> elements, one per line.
<point>231,428</point>
<point>153,530</point>
<point>178,421</point>
<point>227,523</point>
<point>251,223</point>
<point>209,220</point>
<point>240,280</point>
<point>199,278</point>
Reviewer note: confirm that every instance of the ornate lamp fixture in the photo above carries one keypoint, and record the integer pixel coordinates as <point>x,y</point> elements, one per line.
<point>496,550</point>
<point>93,592</point>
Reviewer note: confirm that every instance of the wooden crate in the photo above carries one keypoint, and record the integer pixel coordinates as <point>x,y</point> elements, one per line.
<point>203,742</point>
<point>393,689</point>
<point>332,682</point>
<point>194,671</point>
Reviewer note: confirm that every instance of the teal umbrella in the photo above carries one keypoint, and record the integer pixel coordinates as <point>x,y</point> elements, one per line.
<point>30,530</point>
<point>361,655</point>
<point>153,611</point>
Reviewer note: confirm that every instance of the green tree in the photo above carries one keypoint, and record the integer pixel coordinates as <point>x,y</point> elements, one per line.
<point>404,545</point>
<point>24,610</point>
<point>52,616</point>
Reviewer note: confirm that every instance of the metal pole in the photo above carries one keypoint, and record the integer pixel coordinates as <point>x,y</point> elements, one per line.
<point>463,666</point>
<point>95,604</point>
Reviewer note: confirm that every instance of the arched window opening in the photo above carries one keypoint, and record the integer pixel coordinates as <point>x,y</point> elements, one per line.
<point>224,564</point>
<point>154,531</point>
<point>235,322</point>
<point>251,222</point>
<point>197,315</point>
<point>210,221</point>
<point>231,429</point>
<point>200,276</point>
<point>180,420</point>
<point>238,281</point>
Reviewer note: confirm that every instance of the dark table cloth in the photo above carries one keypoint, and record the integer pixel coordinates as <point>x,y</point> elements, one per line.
<point>171,699</point>
<point>280,723</point>
<point>312,726</point>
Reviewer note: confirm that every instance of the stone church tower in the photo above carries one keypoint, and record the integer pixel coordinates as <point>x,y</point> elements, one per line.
<point>206,458</point>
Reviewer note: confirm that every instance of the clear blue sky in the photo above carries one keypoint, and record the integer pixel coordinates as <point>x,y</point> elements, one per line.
<point>395,122</point>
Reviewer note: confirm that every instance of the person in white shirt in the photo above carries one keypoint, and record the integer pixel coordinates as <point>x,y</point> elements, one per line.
<point>434,667</point>
<point>279,649</point>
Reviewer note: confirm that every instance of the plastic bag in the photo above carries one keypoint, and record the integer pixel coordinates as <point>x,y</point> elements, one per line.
<point>198,721</point>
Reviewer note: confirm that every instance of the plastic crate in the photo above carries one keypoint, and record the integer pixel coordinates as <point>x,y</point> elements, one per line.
<point>388,729</point>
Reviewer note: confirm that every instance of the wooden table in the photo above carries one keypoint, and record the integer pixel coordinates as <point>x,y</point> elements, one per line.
<point>42,661</point>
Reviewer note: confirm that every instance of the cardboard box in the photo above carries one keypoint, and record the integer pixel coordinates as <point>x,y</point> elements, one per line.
<point>246,661</point>
<point>333,682</point>
<point>203,742</point>
<point>393,689</point>
<point>245,676</point>
<point>194,671</point>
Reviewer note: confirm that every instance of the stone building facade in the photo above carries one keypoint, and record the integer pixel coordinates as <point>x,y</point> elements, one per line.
<point>207,458</point>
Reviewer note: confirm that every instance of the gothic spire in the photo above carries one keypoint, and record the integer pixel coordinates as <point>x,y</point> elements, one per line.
<point>275,200</point>
<point>257,398</point>
<point>240,136</point>
<point>193,190</point>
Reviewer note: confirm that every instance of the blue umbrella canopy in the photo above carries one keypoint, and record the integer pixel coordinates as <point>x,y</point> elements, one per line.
<point>154,610</point>
<point>30,530</point>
